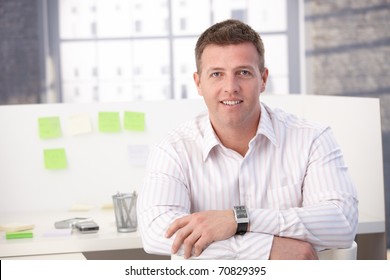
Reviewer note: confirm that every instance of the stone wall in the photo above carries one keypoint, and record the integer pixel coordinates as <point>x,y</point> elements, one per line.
<point>348,53</point>
<point>19,52</point>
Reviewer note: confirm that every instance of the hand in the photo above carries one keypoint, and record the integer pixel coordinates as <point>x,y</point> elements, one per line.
<point>292,249</point>
<point>198,230</point>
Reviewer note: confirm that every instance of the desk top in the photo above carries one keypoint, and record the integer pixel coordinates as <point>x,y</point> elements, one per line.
<point>107,238</point>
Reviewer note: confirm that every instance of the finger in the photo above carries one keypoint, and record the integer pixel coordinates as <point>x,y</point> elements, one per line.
<point>180,237</point>
<point>189,244</point>
<point>175,226</point>
<point>201,244</point>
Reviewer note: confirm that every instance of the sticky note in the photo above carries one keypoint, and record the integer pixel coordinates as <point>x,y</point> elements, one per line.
<point>109,122</point>
<point>58,232</point>
<point>134,121</point>
<point>55,158</point>
<point>107,206</point>
<point>16,227</point>
<point>18,234</point>
<point>79,124</point>
<point>49,127</point>
<point>138,155</point>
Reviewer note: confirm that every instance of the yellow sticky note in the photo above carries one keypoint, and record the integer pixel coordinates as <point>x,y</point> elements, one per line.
<point>16,227</point>
<point>134,121</point>
<point>49,127</point>
<point>79,124</point>
<point>55,158</point>
<point>109,122</point>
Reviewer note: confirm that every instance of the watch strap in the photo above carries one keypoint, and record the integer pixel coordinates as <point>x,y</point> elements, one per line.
<point>242,228</point>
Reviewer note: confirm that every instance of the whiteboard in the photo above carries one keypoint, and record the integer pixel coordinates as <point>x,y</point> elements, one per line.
<point>100,164</point>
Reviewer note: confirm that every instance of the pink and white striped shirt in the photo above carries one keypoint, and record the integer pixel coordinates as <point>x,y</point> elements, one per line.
<point>293,181</point>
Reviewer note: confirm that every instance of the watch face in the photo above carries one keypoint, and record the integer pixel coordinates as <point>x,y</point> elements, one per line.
<point>241,212</point>
<point>242,219</point>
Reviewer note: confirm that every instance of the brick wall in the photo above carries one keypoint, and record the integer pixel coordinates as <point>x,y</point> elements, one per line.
<point>348,53</point>
<point>19,52</point>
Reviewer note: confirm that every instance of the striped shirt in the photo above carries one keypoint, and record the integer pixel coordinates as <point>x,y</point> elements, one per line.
<point>293,180</point>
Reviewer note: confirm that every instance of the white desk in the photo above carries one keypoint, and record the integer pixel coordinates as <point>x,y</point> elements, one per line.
<point>62,257</point>
<point>106,239</point>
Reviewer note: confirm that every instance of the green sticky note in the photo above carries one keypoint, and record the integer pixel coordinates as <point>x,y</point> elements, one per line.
<point>55,158</point>
<point>49,127</point>
<point>18,234</point>
<point>134,121</point>
<point>109,122</point>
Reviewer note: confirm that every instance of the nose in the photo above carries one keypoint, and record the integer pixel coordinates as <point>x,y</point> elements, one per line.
<point>231,84</point>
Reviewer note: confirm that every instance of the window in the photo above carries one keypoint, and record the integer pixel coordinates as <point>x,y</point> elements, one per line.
<point>123,50</point>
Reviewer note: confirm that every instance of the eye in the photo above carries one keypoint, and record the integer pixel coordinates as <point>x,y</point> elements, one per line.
<point>244,73</point>
<point>216,74</point>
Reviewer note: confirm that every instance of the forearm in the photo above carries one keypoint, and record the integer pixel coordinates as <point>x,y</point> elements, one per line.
<point>324,225</point>
<point>154,223</point>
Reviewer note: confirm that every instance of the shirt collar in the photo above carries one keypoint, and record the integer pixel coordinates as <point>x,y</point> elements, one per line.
<point>265,127</point>
<point>210,139</point>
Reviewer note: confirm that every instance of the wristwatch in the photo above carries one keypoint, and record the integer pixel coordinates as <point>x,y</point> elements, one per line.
<point>242,219</point>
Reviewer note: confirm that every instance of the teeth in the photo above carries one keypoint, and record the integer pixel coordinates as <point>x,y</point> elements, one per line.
<point>231,103</point>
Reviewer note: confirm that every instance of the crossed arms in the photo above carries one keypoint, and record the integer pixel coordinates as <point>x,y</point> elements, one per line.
<point>171,220</point>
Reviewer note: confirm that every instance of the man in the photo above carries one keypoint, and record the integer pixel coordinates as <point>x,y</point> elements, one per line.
<point>243,181</point>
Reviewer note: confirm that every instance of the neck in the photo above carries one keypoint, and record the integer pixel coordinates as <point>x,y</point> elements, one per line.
<point>237,138</point>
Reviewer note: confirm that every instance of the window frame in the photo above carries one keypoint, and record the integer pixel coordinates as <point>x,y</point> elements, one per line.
<point>294,35</point>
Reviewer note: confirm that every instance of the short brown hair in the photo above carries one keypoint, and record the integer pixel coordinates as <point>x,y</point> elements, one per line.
<point>229,32</point>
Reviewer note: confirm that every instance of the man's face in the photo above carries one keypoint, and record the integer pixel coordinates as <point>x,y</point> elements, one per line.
<point>230,83</point>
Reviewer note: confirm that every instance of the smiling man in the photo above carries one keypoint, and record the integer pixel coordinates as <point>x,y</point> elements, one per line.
<point>244,181</point>
<point>230,80</point>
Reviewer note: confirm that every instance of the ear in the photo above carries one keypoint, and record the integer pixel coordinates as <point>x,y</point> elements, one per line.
<point>264,78</point>
<point>196,77</point>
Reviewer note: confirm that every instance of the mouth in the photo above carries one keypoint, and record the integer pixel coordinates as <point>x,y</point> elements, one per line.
<point>231,102</point>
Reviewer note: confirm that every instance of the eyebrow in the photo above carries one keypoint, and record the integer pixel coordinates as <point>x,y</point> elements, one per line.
<point>214,69</point>
<point>217,69</point>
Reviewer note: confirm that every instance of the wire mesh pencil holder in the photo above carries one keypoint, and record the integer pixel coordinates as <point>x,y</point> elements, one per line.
<point>125,205</point>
